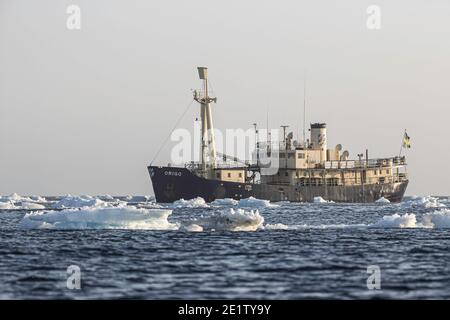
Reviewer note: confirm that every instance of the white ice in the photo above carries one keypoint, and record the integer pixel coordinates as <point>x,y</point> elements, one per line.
<point>70,201</point>
<point>383,200</point>
<point>255,203</point>
<point>396,221</point>
<point>437,219</point>
<point>229,220</point>
<point>321,200</point>
<point>192,203</point>
<point>100,218</point>
<point>422,202</point>
<point>224,202</point>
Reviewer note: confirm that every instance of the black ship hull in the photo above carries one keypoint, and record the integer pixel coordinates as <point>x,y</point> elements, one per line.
<point>172,183</point>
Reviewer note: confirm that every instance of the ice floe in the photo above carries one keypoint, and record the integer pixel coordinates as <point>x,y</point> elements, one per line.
<point>422,202</point>
<point>31,206</point>
<point>192,228</point>
<point>38,199</point>
<point>7,205</point>
<point>255,203</point>
<point>383,200</point>
<point>229,220</point>
<point>10,205</point>
<point>321,200</point>
<point>70,201</point>
<point>192,203</point>
<point>15,198</point>
<point>105,197</point>
<point>100,218</point>
<point>136,199</point>
<point>437,219</point>
<point>225,202</point>
<point>408,220</point>
<point>276,226</point>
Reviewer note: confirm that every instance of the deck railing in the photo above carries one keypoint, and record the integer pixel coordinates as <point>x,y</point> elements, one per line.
<point>332,164</point>
<point>370,163</point>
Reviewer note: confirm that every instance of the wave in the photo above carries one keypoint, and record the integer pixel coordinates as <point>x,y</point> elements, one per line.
<point>228,220</point>
<point>100,218</point>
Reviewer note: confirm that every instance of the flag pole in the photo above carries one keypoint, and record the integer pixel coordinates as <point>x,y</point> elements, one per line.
<point>401,145</point>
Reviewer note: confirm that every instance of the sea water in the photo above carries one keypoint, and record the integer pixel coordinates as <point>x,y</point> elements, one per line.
<point>132,247</point>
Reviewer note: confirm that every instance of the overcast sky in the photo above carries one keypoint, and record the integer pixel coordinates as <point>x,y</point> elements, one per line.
<point>84,111</point>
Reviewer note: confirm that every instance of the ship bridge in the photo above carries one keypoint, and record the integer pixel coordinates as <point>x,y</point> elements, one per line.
<point>311,163</point>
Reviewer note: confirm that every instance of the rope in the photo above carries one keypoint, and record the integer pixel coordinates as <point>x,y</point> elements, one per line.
<point>171,131</point>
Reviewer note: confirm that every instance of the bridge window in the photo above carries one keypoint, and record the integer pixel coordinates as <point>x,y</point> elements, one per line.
<point>301,155</point>
<point>332,181</point>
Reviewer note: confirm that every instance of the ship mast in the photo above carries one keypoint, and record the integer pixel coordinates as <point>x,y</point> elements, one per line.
<point>208,143</point>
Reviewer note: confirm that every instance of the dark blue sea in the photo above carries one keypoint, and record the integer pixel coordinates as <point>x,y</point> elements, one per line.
<point>131,247</point>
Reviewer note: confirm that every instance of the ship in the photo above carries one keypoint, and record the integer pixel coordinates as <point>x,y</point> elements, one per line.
<point>305,171</point>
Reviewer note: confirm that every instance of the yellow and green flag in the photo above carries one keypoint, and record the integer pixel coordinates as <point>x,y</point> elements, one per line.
<point>406,141</point>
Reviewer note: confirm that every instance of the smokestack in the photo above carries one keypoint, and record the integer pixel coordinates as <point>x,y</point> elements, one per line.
<point>319,139</point>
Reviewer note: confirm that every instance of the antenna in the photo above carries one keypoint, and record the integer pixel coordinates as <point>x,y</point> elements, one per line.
<point>304,109</point>
<point>267,123</point>
<point>256,143</point>
<point>284,135</point>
